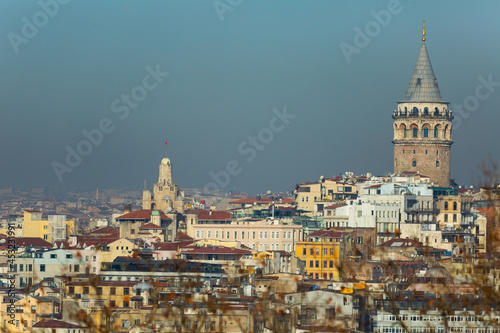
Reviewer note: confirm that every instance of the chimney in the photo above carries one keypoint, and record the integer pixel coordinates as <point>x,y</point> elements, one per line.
<point>127,208</point>
<point>210,213</point>
<point>73,240</point>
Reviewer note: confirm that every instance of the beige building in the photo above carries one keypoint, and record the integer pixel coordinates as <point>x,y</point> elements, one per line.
<point>422,126</point>
<point>259,235</point>
<point>314,197</point>
<point>166,195</point>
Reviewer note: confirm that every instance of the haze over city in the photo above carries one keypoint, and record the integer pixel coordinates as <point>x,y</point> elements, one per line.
<point>219,75</point>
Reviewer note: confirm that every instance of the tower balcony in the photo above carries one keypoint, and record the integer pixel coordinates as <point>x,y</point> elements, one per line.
<point>445,115</point>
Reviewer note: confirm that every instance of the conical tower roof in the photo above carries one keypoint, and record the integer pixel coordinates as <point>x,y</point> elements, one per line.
<point>423,85</point>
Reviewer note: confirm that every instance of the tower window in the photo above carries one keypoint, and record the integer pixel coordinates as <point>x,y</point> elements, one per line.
<point>437,164</point>
<point>426,111</point>
<point>413,151</point>
<point>406,132</point>
<point>426,152</point>
<point>437,152</point>
<point>415,132</point>
<point>435,132</point>
<point>414,163</point>
<point>426,132</point>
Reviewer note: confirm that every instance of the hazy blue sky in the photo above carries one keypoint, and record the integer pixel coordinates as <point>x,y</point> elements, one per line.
<point>225,78</point>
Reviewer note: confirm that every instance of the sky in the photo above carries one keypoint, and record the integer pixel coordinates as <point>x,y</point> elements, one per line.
<point>251,95</point>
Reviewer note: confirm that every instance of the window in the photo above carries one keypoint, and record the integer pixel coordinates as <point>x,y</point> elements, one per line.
<point>126,304</point>
<point>426,132</point>
<point>216,234</point>
<point>277,234</point>
<point>236,235</point>
<point>77,268</point>
<point>42,268</point>
<point>454,217</point>
<point>197,234</point>
<point>260,234</point>
<point>289,235</point>
<point>446,206</point>
<point>228,234</point>
<point>125,291</point>
<point>437,164</point>
<point>94,258</point>
<point>242,235</point>
<point>454,206</point>
<point>331,263</point>
<point>265,234</point>
<point>360,213</point>
<point>331,251</point>
<point>112,304</point>
<point>53,256</point>
<point>21,267</point>
<point>415,132</point>
<point>71,290</point>
<point>209,233</point>
<point>446,217</point>
<point>45,236</point>
<point>99,290</point>
<point>325,264</point>
<point>317,263</point>
<point>311,263</point>
<point>45,227</point>
<point>69,256</point>
<point>317,252</point>
<point>253,234</point>
<point>414,163</point>
<point>272,234</point>
<point>86,290</point>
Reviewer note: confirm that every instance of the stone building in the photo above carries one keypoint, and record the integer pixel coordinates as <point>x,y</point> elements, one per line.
<point>422,126</point>
<point>165,196</point>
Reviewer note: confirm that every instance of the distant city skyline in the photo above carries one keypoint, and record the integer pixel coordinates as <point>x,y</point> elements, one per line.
<point>269,94</point>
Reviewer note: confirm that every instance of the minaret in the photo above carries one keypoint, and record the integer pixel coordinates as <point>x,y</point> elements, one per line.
<point>422,125</point>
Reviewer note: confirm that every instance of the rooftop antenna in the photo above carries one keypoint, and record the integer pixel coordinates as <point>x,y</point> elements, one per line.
<point>145,185</point>
<point>423,33</point>
<point>165,148</point>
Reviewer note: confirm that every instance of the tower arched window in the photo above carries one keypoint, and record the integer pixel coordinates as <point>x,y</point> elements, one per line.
<point>426,111</point>
<point>436,132</point>
<point>426,132</point>
<point>437,164</point>
<point>406,132</point>
<point>454,206</point>
<point>415,111</point>
<point>446,206</point>
<point>414,163</point>
<point>436,112</point>
<point>415,132</point>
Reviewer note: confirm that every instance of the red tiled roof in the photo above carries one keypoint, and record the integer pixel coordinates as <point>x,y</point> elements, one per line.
<point>141,214</point>
<point>327,234</point>
<point>182,236</point>
<point>166,246</point>
<point>150,226</point>
<point>402,242</point>
<point>261,201</point>
<point>33,241</point>
<point>56,324</point>
<point>107,230</point>
<point>334,206</point>
<point>216,250</point>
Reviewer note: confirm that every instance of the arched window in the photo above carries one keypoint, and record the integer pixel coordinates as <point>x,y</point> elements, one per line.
<point>414,163</point>
<point>437,164</point>
<point>415,111</point>
<point>415,132</point>
<point>406,132</point>
<point>426,111</point>
<point>454,206</point>
<point>436,112</point>
<point>435,132</point>
<point>446,206</point>
<point>426,132</point>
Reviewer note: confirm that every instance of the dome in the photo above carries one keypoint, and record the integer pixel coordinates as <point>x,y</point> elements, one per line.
<point>179,198</point>
<point>155,213</point>
<point>438,271</point>
<point>165,160</point>
<point>142,286</point>
<point>166,198</point>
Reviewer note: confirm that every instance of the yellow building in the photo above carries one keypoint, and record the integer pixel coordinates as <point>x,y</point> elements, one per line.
<point>321,253</point>
<point>55,228</point>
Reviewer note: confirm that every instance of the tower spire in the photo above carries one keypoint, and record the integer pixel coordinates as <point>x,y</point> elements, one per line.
<point>423,33</point>
<point>165,148</point>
